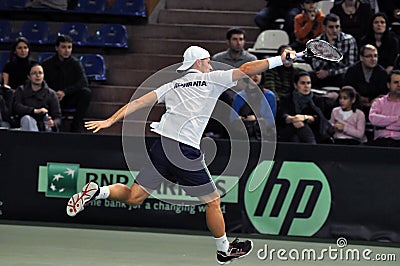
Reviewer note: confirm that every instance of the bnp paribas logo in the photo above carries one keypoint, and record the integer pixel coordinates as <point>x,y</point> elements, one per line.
<point>58,179</point>
<point>62,180</point>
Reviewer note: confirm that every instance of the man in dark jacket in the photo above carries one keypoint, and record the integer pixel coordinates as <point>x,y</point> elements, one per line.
<point>367,77</point>
<point>6,98</point>
<point>36,104</point>
<point>66,75</point>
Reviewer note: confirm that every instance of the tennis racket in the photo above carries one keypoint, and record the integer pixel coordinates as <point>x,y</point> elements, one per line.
<point>319,49</point>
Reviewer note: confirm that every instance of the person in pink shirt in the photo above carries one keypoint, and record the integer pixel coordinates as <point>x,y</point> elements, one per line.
<point>347,119</point>
<point>385,114</point>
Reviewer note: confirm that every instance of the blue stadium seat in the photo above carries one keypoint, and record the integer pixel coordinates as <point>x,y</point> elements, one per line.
<point>110,35</point>
<point>12,4</point>
<point>94,65</point>
<point>91,6</point>
<point>35,31</point>
<point>42,56</point>
<point>128,7</point>
<point>5,30</point>
<point>4,56</point>
<point>76,30</point>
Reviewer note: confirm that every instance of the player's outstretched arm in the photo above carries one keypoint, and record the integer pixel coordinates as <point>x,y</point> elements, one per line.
<point>146,100</point>
<point>259,66</point>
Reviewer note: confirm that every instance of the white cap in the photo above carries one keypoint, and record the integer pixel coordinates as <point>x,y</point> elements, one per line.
<point>191,55</point>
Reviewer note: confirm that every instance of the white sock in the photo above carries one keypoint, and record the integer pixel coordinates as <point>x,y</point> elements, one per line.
<point>222,243</point>
<point>104,193</point>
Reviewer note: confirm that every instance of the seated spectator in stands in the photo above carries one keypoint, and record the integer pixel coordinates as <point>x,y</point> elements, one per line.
<point>385,114</point>
<point>34,100</point>
<point>6,98</point>
<point>256,112</point>
<point>330,73</point>
<point>235,55</point>
<point>72,4</point>
<point>66,75</point>
<point>347,119</point>
<point>390,7</point>
<point>367,77</point>
<point>279,80</point>
<point>379,36</point>
<point>308,24</point>
<point>55,4</point>
<point>353,14</point>
<point>299,118</point>
<point>276,9</point>
<point>16,70</point>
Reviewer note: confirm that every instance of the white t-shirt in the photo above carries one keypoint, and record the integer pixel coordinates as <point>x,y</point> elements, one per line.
<point>189,102</point>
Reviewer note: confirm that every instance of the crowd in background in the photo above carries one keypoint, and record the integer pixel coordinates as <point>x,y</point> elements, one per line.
<point>335,102</point>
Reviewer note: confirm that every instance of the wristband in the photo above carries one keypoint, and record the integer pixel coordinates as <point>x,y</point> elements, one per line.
<point>274,61</point>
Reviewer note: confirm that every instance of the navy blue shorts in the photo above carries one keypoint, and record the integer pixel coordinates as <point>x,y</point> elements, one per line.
<point>178,163</point>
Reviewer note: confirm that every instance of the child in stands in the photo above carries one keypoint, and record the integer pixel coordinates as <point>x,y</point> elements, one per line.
<point>347,119</point>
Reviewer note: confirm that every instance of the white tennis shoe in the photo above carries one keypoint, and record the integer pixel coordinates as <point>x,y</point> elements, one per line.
<point>78,201</point>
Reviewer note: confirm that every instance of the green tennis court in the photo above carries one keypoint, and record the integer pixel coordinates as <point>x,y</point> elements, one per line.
<point>22,245</point>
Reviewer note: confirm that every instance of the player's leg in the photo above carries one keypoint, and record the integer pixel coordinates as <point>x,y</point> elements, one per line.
<point>226,252</point>
<point>148,177</point>
<point>214,217</point>
<point>134,195</point>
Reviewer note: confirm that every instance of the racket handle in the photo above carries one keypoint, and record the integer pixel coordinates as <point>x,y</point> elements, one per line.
<point>298,56</point>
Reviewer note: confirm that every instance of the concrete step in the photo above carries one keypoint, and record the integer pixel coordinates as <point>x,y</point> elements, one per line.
<point>136,78</point>
<point>127,77</point>
<point>206,17</point>
<point>144,61</point>
<point>187,31</point>
<point>239,5</point>
<point>110,93</point>
<point>176,46</point>
<point>121,94</point>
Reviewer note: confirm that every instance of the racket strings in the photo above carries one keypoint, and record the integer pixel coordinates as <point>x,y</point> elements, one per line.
<point>324,50</point>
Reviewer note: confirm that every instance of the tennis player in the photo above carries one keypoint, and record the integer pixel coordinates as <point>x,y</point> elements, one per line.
<point>176,156</point>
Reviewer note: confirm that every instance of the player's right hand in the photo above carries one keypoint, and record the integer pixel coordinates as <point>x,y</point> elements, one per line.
<point>97,125</point>
<point>288,54</point>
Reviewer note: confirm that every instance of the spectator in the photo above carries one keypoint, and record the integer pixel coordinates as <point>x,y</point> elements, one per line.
<point>235,55</point>
<point>34,100</point>
<point>385,114</point>
<point>374,4</point>
<point>308,24</point>
<point>367,77</point>
<point>379,36</point>
<point>391,8</point>
<point>256,112</point>
<point>279,80</point>
<point>65,74</point>
<point>16,70</point>
<point>275,9</point>
<point>348,121</point>
<point>353,14</point>
<point>6,98</point>
<point>301,119</point>
<point>55,4</point>
<point>329,73</point>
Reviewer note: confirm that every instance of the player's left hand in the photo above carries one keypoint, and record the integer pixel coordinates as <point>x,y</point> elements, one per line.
<point>97,125</point>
